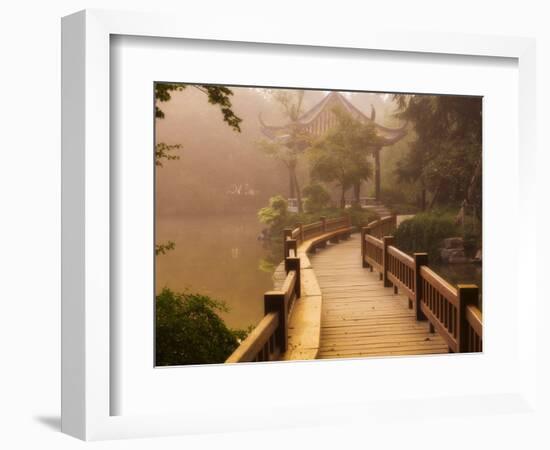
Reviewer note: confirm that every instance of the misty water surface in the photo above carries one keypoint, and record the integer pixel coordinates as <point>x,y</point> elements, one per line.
<point>218,256</point>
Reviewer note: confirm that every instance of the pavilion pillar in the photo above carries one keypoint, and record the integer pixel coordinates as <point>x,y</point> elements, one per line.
<point>377,173</point>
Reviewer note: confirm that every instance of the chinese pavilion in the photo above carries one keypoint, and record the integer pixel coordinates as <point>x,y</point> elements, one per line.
<point>321,118</point>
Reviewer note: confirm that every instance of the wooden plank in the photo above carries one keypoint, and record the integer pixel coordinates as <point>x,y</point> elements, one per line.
<point>359,316</point>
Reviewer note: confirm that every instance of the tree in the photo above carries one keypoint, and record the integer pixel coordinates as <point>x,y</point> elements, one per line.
<point>275,214</point>
<point>163,151</point>
<point>217,95</point>
<point>340,155</point>
<point>294,145</point>
<point>317,197</point>
<point>445,157</point>
<point>188,330</point>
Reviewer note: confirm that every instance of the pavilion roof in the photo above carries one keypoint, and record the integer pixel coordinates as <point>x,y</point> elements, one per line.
<point>320,118</point>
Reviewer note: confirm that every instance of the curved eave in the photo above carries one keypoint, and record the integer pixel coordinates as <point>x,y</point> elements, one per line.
<point>388,136</point>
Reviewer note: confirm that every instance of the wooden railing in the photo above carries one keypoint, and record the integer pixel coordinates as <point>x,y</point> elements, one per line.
<point>382,227</point>
<point>304,232</point>
<point>452,312</point>
<point>270,337</point>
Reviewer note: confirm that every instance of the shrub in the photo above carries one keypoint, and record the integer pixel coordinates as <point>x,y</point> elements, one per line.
<point>316,198</point>
<point>361,217</point>
<point>424,233</point>
<point>190,331</point>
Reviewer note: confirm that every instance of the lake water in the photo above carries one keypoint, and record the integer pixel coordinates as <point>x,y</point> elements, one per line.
<point>218,256</point>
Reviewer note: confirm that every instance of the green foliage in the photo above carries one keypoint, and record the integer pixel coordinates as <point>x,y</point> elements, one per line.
<point>399,200</point>
<point>276,213</point>
<point>289,148</point>
<point>278,218</point>
<point>424,233</point>
<point>190,331</point>
<point>340,155</point>
<point>445,157</point>
<point>161,249</point>
<point>217,95</point>
<point>163,151</point>
<point>361,217</point>
<point>316,198</point>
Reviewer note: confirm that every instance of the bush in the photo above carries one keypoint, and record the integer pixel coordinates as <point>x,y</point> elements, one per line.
<point>361,217</point>
<point>275,214</point>
<point>190,331</point>
<point>390,196</point>
<point>316,198</point>
<point>424,233</point>
<point>402,208</point>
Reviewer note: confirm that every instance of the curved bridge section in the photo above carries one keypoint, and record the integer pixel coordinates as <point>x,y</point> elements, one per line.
<point>359,297</point>
<point>361,317</point>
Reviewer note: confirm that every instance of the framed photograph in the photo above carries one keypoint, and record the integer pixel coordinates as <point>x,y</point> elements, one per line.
<point>284,230</point>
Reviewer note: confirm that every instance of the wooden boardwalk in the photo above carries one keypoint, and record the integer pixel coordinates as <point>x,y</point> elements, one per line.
<point>359,316</point>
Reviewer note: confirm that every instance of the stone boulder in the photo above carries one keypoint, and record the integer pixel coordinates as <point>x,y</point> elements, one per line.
<point>453,242</point>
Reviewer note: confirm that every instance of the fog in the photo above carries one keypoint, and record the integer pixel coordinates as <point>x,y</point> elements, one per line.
<point>221,170</point>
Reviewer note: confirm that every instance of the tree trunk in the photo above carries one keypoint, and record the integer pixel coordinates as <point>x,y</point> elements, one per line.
<point>423,199</point>
<point>357,193</point>
<point>298,192</point>
<point>343,198</point>
<point>377,174</point>
<point>434,198</point>
<point>291,187</point>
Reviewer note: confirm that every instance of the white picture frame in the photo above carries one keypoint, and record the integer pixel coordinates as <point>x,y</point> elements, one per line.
<point>86,245</point>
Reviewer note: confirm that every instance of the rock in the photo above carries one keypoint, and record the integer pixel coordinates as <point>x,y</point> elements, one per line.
<point>453,242</point>
<point>447,254</point>
<point>458,259</point>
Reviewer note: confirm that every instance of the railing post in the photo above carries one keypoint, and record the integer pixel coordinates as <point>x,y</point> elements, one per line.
<point>324,223</point>
<point>388,240</point>
<point>363,247</point>
<point>368,231</point>
<point>293,263</point>
<point>467,295</point>
<point>291,244</point>
<point>300,226</point>
<point>274,301</point>
<point>420,259</point>
<point>287,234</point>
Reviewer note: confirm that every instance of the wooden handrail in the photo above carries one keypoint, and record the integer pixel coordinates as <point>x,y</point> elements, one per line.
<point>452,312</point>
<point>384,226</point>
<point>269,339</point>
<point>401,272</point>
<point>473,333</point>
<point>262,337</point>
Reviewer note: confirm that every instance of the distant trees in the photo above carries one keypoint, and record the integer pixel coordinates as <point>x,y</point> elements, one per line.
<point>316,198</point>
<point>445,157</point>
<point>340,155</point>
<point>289,150</point>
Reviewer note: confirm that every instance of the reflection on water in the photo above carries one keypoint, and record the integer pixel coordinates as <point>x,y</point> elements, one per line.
<point>218,256</point>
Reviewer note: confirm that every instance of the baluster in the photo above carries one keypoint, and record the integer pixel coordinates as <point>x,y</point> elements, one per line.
<point>293,263</point>
<point>364,246</point>
<point>274,301</point>
<point>420,259</point>
<point>467,295</point>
